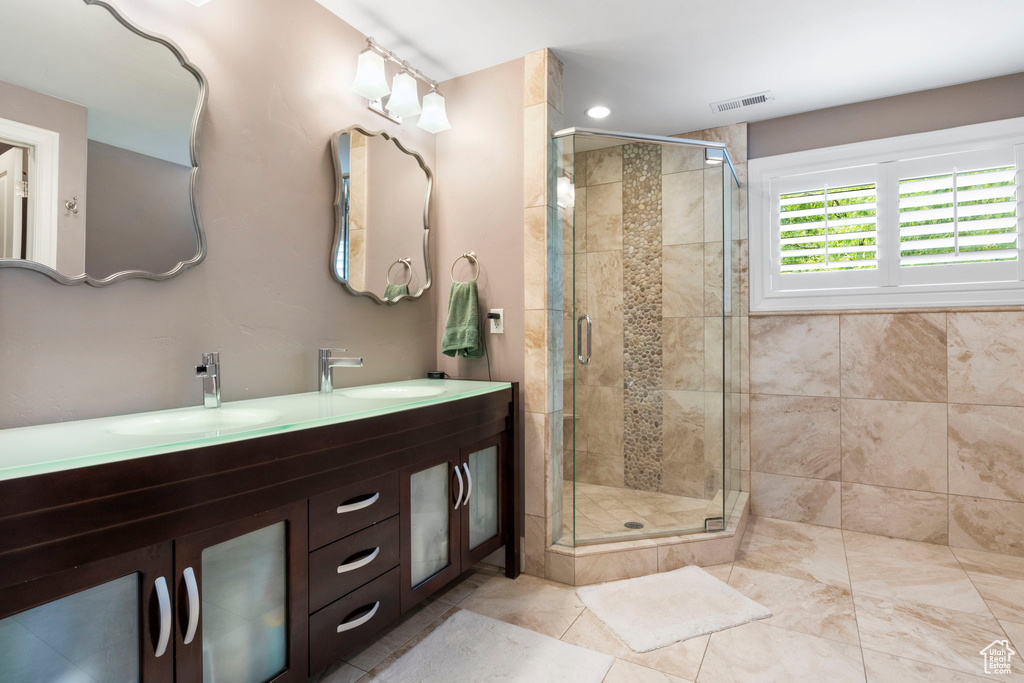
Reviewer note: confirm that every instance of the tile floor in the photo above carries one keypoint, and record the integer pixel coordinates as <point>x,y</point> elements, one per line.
<point>601,512</point>
<point>847,607</point>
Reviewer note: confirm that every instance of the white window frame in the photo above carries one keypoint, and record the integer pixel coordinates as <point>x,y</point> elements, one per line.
<point>886,286</point>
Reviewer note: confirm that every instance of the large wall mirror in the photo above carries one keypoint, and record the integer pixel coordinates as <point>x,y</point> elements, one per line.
<point>382,237</point>
<point>98,135</point>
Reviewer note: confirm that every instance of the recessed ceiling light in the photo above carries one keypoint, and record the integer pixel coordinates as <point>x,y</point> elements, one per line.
<point>598,111</point>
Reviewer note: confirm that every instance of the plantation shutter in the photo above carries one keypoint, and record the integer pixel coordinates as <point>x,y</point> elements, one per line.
<point>828,229</point>
<point>965,215</point>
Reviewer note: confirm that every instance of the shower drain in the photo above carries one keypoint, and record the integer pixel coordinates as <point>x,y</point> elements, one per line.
<point>634,525</point>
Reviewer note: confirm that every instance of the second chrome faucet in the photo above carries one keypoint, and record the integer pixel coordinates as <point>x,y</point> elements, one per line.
<point>330,359</point>
<point>209,371</point>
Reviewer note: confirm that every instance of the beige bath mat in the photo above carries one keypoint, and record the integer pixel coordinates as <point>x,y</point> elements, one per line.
<point>660,609</point>
<point>472,647</point>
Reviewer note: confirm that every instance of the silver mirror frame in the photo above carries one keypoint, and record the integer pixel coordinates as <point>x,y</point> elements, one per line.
<point>197,118</point>
<point>341,225</point>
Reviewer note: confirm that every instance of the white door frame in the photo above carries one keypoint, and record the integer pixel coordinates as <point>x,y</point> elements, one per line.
<point>43,205</point>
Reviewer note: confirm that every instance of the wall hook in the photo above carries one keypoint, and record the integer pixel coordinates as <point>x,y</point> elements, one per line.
<point>72,205</point>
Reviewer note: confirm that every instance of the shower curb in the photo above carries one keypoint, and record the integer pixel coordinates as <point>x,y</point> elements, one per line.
<point>587,564</point>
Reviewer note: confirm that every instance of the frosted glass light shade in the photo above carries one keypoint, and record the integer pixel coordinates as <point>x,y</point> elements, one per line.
<point>370,81</point>
<point>199,3</point>
<point>433,119</point>
<point>405,98</point>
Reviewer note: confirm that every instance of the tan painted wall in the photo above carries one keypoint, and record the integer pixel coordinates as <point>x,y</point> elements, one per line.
<point>956,105</point>
<point>479,195</point>
<point>141,218</point>
<point>70,121</point>
<point>279,74</point>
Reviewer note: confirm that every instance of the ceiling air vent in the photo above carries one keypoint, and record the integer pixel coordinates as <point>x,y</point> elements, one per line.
<point>740,102</point>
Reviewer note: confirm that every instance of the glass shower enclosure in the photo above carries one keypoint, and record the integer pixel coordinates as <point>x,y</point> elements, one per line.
<point>653,318</point>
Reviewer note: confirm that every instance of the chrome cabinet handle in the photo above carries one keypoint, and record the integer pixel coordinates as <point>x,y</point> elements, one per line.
<point>469,482</point>
<point>579,338</point>
<point>356,623</point>
<point>163,598</point>
<point>192,589</point>
<point>361,505</point>
<point>362,562</point>
<point>458,475</point>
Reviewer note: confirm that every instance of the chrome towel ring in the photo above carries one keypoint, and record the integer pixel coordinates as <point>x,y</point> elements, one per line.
<point>407,262</point>
<point>469,256</point>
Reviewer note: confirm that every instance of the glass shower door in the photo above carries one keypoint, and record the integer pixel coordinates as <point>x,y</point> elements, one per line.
<point>646,409</point>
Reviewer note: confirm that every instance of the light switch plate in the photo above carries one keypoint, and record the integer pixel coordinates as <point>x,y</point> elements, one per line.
<point>498,326</point>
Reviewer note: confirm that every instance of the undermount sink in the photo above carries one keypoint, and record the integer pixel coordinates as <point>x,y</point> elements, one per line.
<point>393,392</point>
<point>200,421</point>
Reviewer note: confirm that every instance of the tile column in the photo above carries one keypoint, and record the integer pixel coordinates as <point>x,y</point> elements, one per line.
<point>542,253</point>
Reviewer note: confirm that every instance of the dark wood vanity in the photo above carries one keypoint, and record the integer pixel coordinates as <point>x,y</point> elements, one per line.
<point>350,525</point>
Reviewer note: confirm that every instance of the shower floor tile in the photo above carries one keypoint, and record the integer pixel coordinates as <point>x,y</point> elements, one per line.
<point>601,513</point>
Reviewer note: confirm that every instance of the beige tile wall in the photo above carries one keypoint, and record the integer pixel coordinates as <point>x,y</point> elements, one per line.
<point>542,264</point>
<point>904,424</point>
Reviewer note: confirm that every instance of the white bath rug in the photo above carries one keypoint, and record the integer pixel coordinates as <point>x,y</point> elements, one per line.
<point>655,611</point>
<point>472,647</point>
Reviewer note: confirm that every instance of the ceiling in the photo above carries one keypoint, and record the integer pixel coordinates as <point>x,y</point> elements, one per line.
<point>658,64</point>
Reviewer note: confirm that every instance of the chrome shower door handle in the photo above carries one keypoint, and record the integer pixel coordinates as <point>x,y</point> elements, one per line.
<point>584,360</point>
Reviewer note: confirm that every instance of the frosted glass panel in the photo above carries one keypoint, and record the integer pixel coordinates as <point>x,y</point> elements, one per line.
<point>428,508</point>
<point>483,499</point>
<point>88,637</point>
<point>244,591</point>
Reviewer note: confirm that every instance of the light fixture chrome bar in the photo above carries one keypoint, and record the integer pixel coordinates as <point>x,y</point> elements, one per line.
<point>655,139</point>
<point>387,54</point>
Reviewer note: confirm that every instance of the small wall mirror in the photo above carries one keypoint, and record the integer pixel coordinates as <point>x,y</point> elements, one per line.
<point>98,128</point>
<point>382,237</point>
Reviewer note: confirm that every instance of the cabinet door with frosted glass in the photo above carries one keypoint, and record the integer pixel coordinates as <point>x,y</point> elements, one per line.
<point>431,502</point>
<point>483,523</point>
<point>105,622</point>
<point>241,593</point>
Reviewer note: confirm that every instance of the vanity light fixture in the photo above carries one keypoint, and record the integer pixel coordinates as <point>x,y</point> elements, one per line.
<point>371,83</point>
<point>598,111</point>
<point>198,3</point>
<point>434,119</point>
<point>404,100</point>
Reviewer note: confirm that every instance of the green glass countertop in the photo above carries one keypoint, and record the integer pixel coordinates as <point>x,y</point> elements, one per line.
<point>26,451</point>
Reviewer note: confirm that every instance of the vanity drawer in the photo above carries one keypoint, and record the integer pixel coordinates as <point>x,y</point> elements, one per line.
<point>347,564</point>
<point>359,614</point>
<point>347,510</point>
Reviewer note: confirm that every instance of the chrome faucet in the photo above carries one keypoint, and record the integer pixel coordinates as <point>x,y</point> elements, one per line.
<point>210,373</point>
<point>329,361</point>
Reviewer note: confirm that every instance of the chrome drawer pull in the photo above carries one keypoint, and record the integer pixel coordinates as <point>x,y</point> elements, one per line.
<point>193,604</point>
<point>356,623</point>
<point>458,475</point>
<point>469,482</point>
<point>352,566</point>
<point>163,598</point>
<point>361,505</point>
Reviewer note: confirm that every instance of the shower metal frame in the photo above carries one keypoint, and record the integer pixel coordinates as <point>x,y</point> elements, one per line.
<point>656,139</point>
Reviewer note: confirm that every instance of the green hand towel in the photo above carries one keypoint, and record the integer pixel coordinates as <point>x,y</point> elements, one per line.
<point>462,331</point>
<point>392,292</point>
